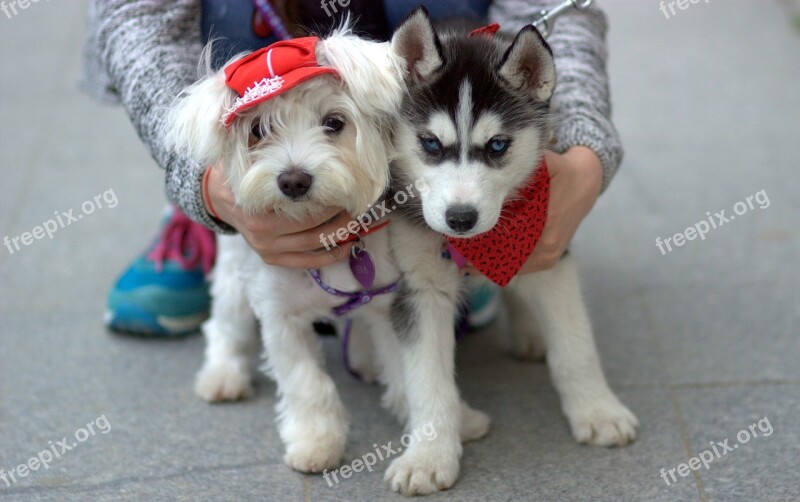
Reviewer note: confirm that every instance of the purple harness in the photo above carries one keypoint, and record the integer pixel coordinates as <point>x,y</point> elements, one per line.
<point>354,300</point>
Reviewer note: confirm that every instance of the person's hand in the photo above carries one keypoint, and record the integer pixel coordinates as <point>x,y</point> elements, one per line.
<point>279,240</point>
<point>576,177</point>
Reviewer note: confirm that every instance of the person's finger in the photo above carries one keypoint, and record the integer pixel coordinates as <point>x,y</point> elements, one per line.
<point>322,236</point>
<point>272,225</point>
<point>310,260</point>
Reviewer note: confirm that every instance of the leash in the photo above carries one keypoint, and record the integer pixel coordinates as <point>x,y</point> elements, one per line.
<point>545,18</point>
<point>272,18</point>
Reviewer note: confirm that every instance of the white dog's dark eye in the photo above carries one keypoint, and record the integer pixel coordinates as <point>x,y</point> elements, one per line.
<point>258,130</point>
<point>431,144</point>
<point>333,124</point>
<point>497,146</point>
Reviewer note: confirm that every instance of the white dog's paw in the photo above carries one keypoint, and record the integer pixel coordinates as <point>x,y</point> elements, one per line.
<point>227,381</point>
<point>474,424</point>
<point>315,453</point>
<point>423,469</point>
<point>602,422</point>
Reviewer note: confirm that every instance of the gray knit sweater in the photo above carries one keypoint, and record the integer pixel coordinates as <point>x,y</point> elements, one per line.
<point>143,53</point>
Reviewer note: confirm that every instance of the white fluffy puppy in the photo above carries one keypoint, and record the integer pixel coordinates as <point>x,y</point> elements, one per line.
<point>301,126</point>
<point>298,127</point>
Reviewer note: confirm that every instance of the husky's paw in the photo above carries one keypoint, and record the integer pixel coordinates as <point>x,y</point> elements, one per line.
<point>474,424</point>
<point>314,454</point>
<point>226,381</point>
<point>423,469</point>
<point>602,422</point>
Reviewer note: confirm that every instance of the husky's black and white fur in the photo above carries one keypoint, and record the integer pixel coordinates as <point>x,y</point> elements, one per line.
<point>474,123</point>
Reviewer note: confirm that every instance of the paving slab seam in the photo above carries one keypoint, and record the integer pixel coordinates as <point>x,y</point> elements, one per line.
<point>650,323</point>
<point>734,383</point>
<point>686,446</point>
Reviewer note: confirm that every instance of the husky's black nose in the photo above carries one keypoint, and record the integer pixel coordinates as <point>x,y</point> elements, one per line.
<point>294,182</point>
<point>461,218</point>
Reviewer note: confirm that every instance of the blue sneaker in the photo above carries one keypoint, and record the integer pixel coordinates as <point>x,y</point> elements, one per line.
<point>483,300</point>
<point>164,292</point>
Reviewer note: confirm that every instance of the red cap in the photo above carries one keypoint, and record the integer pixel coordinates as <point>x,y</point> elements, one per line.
<point>271,71</point>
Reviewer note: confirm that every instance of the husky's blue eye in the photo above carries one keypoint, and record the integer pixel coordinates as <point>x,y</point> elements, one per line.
<point>497,146</point>
<point>431,144</point>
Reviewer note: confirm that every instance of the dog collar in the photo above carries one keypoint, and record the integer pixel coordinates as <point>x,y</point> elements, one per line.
<point>502,251</point>
<point>271,71</point>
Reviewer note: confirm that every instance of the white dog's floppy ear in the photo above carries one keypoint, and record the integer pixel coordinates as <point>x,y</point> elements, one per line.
<point>415,41</point>
<point>528,63</point>
<point>195,123</point>
<point>373,77</point>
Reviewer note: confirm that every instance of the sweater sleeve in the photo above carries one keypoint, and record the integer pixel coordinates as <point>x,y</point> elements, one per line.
<point>148,51</point>
<point>581,103</point>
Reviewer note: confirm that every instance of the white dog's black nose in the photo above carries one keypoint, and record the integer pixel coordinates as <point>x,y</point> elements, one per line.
<point>294,182</point>
<point>461,218</point>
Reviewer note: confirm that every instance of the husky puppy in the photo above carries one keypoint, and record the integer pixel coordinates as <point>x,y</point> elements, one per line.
<point>473,128</point>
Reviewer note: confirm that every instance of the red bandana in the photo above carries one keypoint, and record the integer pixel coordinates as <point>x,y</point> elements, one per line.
<point>502,251</point>
<point>271,71</point>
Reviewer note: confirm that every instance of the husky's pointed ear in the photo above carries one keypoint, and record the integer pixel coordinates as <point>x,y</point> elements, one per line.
<point>528,63</point>
<point>194,124</point>
<point>415,41</point>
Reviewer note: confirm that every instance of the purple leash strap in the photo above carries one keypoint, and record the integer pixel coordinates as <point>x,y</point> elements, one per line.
<point>272,18</point>
<point>354,300</point>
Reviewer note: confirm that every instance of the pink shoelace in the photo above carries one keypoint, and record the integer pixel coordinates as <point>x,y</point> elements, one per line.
<point>187,242</point>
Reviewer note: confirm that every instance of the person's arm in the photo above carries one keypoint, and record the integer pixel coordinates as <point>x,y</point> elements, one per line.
<point>149,52</point>
<point>581,102</point>
<point>587,150</point>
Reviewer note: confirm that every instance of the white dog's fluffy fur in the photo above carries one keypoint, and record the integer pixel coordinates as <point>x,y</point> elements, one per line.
<point>350,169</point>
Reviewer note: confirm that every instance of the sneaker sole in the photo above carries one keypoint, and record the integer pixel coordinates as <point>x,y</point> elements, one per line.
<point>485,315</point>
<point>132,321</point>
